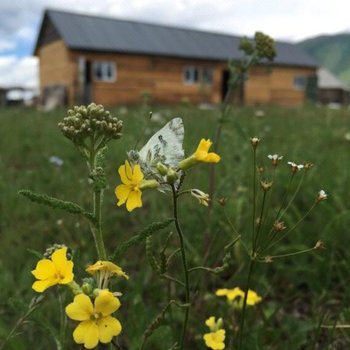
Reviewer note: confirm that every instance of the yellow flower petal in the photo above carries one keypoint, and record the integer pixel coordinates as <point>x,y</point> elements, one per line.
<point>59,258</point>
<point>106,303</point>
<point>122,192</point>
<point>108,327</point>
<point>102,265</point>
<point>210,322</point>
<point>45,268</point>
<point>41,286</point>
<point>253,298</point>
<point>235,293</point>
<point>86,333</point>
<point>128,170</point>
<point>137,175</point>
<point>67,273</point>
<point>123,177</point>
<point>204,145</point>
<point>212,158</point>
<point>134,200</point>
<point>80,309</point>
<point>221,292</point>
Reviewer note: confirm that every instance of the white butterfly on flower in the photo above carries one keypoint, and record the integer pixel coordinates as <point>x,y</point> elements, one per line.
<point>164,146</point>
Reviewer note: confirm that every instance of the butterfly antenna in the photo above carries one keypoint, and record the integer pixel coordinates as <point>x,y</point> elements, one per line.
<point>143,130</point>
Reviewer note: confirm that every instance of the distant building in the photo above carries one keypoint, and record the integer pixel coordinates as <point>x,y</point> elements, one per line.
<point>331,90</point>
<point>112,61</point>
<point>15,95</point>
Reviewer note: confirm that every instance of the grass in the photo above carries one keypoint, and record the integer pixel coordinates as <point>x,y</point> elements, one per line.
<point>300,293</point>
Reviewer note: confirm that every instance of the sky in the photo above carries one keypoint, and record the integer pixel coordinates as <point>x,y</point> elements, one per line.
<point>288,20</point>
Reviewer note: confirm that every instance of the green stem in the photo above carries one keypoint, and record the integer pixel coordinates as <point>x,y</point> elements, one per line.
<point>256,238</point>
<point>254,196</point>
<point>96,229</point>
<point>288,254</point>
<point>240,340</point>
<point>185,266</point>
<point>97,200</point>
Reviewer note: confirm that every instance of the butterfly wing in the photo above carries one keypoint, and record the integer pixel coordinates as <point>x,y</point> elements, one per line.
<point>165,145</point>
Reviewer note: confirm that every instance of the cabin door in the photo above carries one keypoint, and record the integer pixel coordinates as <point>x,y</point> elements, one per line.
<point>237,96</point>
<point>84,81</point>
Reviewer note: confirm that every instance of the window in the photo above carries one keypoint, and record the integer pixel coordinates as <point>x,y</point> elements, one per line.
<point>299,82</point>
<point>191,75</point>
<point>105,71</point>
<point>195,75</point>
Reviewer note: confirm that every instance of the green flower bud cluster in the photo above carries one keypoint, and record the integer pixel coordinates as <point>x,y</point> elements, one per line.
<point>92,122</point>
<point>265,46</point>
<point>246,46</point>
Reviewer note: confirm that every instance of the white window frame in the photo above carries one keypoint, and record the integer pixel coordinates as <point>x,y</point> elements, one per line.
<point>297,79</point>
<point>105,65</point>
<point>191,70</point>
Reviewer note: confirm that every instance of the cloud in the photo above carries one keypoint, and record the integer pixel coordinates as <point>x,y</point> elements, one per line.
<point>6,45</point>
<point>16,71</point>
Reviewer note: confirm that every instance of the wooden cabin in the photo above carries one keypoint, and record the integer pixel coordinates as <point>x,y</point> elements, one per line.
<point>331,90</point>
<point>112,61</point>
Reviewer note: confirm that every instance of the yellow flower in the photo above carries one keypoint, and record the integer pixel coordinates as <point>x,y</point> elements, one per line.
<point>215,340</point>
<point>214,325</point>
<point>232,294</point>
<point>129,192</point>
<point>58,270</point>
<point>201,155</point>
<point>96,323</point>
<point>107,267</point>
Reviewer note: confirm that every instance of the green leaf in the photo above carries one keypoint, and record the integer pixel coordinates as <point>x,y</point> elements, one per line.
<point>56,203</point>
<point>140,237</point>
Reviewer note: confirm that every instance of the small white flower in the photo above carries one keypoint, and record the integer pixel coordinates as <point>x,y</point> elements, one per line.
<point>202,197</point>
<point>56,160</point>
<point>322,195</point>
<point>295,167</point>
<point>254,141</point>
<point>275,158</point>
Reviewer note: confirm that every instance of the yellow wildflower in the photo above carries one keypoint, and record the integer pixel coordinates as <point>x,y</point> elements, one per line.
<point>201,155</point>
<point>133,183</point>
<point>129,192</point>
<point>106,266</point>
<point>214,325</point>
<point>232,294</point>
<point>96,323</point>
<point>48,272</point>
<point>215,340</point>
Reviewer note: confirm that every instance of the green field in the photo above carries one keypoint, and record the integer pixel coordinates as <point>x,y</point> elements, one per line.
<point>300,294</point>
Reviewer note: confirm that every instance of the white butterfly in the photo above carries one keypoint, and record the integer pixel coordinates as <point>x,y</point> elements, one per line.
<point>164,146</point>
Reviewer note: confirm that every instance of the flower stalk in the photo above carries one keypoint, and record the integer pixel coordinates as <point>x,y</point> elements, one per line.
<point>184,264</point>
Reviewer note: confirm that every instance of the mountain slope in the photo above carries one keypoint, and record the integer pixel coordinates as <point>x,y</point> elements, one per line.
<point>332,52</point>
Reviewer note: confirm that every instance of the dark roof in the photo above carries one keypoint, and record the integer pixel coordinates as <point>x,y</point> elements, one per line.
<point>86,32</point>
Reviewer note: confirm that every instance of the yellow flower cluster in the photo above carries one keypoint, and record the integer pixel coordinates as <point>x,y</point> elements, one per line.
<point>237,293</point>
<point>215,339</point>
<point>92,310</point>
<point>133,182</point>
